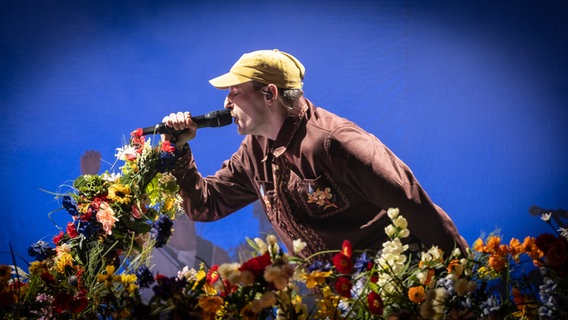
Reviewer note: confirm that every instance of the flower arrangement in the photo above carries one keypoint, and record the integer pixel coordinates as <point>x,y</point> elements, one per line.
<point>116,220</point>
<point>98,266</point>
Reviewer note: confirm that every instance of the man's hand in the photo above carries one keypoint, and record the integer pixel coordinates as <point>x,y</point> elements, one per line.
<point>90,162</point>
<point>182,122</point>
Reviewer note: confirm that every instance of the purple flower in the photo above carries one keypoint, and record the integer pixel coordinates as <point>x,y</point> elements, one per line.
<point>162,230</point>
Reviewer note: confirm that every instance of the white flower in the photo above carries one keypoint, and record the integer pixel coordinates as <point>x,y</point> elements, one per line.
<point>299,245</point>
<point>546,216</point>
<point>390,230</point>
<point>392,213</point>
<point>404,233</point>
<point>124,152</point>
<point>400,222</point>
<point>111,177</point>
<point>432,254</point>
<point>187,273</point>
<point>456,253</point>
<point>563,232</point>
<point>271,239</point>
<point>262,247</point>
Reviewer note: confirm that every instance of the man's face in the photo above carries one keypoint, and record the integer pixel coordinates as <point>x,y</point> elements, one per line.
<point>248,107</point>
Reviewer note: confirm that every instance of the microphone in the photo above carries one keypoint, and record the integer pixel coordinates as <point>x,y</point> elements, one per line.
<point>213,119</point>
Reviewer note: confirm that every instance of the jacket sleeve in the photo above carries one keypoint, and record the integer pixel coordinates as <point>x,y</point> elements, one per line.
<point>214,197</point>
<point>374,171</point>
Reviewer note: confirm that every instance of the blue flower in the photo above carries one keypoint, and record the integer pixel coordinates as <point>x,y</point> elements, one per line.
<point>167,162</point>
<point>362,263</point>
<point>40,250</point>
<point>70,205</point>
<point>144,276</point>
<point>87,229</point>
<point>319,266</point>
<point>162,230</point>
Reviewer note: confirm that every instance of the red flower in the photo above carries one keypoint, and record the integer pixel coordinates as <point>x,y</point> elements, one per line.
<point>376,305</point>
<point>343,287</point>
<point>71,230</point>
<point>545,241</point>
<point>80,302</point>
<point>136,133</point>
<point>256,265</point>
<point>167,147</point>
<point>47,278</point>
<point>346,248</point>
<point>58,238</point>
<point>342,263</point>
<point>62,302</point>
<point>213,274</point>
<point>557,257</point>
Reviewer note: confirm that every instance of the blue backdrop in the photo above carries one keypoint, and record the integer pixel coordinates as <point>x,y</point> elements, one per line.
<point>472,95</point>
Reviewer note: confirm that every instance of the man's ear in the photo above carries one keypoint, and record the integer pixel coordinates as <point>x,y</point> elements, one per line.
<point>269,91</point>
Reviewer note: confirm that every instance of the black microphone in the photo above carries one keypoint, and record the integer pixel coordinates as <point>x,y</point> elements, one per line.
<point>212,119</point>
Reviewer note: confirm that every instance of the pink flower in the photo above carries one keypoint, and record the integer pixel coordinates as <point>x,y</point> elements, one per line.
<point>106,217</point>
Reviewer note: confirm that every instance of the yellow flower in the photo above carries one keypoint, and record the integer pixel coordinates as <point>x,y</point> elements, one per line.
<point>38,267</point>
<point>63,260</point>
<point>315,278</point>
<point>109,277</point>
<point>327,305</point>
<point>210,304</point>
<point>129,282</point>
<point>119,193</point>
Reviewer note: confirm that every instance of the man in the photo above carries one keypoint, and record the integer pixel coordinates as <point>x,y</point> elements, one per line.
<point>320,177</point>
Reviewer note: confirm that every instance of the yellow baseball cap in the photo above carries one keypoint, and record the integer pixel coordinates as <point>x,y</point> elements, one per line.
<point>265,66</point>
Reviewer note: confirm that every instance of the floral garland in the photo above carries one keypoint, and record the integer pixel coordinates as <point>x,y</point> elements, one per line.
<point>99,266</point>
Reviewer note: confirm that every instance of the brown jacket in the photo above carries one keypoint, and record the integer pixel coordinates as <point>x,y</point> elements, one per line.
<point>323,180</point>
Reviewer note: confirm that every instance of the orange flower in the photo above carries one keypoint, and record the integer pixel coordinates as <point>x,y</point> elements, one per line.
<point>429,277</point>
<point>210,304</point>
<point>416,294</point>
<point>497,262</point>
<point>478,245</point>
<point>455,267</point>
<point>493,244</point>
<point>531,249</point>
<point>515,248</point>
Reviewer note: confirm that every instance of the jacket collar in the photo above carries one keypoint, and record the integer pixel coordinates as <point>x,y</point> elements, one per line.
<point>290,127</point>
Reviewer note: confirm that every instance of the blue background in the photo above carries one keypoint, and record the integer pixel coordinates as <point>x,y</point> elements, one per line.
<point>472,95</point>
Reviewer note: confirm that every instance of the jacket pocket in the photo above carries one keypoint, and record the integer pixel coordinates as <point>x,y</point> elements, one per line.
<point>320,197</point>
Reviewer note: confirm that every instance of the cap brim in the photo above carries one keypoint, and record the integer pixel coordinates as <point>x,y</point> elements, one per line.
<point>228,80</point>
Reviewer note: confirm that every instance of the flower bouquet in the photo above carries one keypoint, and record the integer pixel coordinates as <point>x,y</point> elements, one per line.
<point>115,221</point>
<point>99,266</point>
